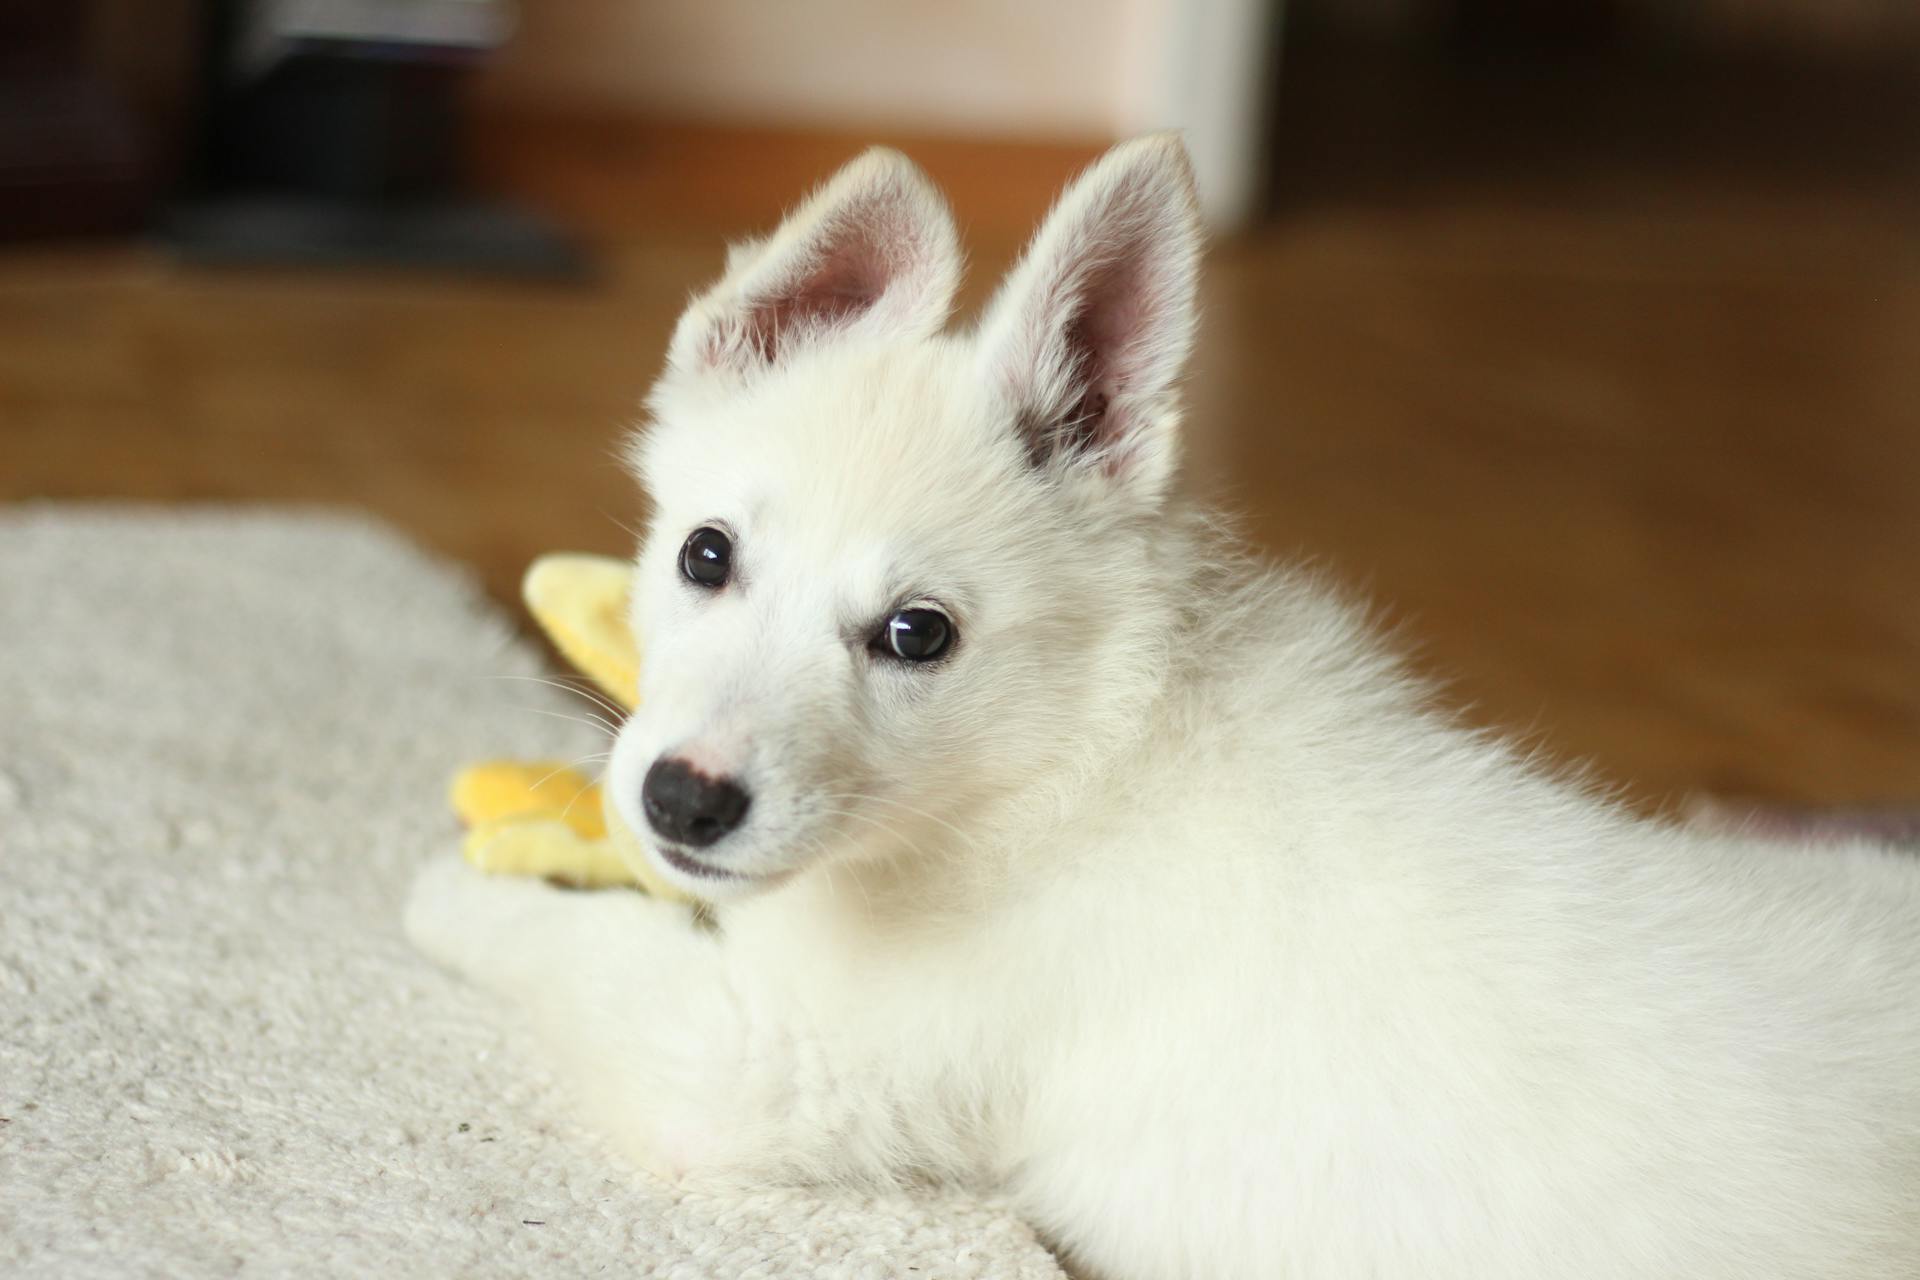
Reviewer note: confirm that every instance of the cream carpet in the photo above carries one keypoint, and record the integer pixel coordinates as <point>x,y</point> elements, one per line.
<point>224,740</point>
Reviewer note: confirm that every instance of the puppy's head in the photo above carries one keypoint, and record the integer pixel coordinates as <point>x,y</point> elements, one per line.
<point>896,578</point>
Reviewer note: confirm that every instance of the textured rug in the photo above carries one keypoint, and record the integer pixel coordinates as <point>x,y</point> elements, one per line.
<point>224,740</point>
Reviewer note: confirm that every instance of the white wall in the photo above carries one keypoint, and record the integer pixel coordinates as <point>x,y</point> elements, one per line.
<point>1067,70</point>
<point>1051,68</point>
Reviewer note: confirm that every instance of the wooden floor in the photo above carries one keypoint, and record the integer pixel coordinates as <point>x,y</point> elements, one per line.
<point>1626,445</point>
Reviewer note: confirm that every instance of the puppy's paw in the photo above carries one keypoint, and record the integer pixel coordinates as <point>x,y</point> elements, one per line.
<point>455,914</point>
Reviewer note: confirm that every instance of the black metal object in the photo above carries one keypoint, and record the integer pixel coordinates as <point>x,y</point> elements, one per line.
<point>346,153</point>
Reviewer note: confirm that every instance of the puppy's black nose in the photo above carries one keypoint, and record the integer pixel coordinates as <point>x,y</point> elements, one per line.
<point>687,807</point>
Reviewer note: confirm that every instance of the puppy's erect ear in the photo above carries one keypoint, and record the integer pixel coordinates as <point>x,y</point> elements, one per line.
<point>873,251</point>
<point>1089,334</point>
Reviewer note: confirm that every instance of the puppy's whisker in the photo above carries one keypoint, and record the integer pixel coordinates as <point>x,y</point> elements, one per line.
<point>971,843</point>
<point>615,718</point>
<point>636,534</point>
<point>597,758</point>
<point>575,798</point>
<point>593,693</point>
<point>579,688</point>
<point>817,848</point>
<point>890,830</point>
<point>614,714</point>
<point>600,723</point>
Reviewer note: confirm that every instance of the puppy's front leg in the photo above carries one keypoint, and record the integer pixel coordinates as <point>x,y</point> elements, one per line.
<point>685,1072</point>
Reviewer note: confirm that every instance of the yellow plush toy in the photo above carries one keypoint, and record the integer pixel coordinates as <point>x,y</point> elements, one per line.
<point>540,817</point>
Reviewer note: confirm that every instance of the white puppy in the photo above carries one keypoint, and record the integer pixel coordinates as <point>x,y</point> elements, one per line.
<point>1060,849</point>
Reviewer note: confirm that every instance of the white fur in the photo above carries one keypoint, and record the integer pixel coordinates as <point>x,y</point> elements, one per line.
<point>1164,903</point>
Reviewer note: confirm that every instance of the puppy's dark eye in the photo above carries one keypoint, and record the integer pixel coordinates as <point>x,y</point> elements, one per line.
<point>707,558</point>
<point>917,635</point>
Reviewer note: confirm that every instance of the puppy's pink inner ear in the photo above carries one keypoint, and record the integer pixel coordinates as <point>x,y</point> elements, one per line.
<point>1088,336</point>
<point>876,252</point>
<point>847,274</point>
<point>1098,346</point>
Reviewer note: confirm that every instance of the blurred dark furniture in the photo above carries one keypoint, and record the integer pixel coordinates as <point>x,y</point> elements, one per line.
<point>324,143</point>
<point>72,161</point>
<point>345,149</point>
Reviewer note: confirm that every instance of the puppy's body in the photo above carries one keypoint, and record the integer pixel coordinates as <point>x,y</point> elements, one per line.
<point>1160,900</point>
